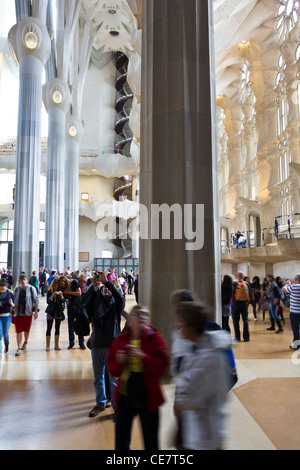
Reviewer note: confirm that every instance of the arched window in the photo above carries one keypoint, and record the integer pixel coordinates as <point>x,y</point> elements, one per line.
<point>286,165</point>
<point>282,213</point>
<point>282,106</point>
<point>287,18</point>
<point>280,169</point>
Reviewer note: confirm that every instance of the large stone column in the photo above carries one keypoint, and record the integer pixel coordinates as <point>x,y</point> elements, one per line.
<point>57,99</point>
<point>31,43</point>
<point>74,132</point>
<point>179,162</point>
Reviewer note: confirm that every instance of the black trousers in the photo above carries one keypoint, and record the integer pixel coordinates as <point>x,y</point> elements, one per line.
<point>240,309</point>
<point>50,324</point>
<point>124,420</point>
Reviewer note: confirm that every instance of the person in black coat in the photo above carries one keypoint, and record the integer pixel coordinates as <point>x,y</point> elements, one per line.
<point>136,288</point>
<point>103,304</point>
<point>226,290</point>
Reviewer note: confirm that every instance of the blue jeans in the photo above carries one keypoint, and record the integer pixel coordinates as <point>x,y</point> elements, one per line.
<point>254,303</point>
<point>4,329</point>
<point>99,358</point>
<point>273,315</point>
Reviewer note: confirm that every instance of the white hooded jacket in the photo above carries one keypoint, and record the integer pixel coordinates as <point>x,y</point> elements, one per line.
<point>201,386</point>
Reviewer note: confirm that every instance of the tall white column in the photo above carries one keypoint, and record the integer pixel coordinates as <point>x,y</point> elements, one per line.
<point>179,163</point>
<point>73,135</point>
<point>57,99</point>
<point>31,43</point>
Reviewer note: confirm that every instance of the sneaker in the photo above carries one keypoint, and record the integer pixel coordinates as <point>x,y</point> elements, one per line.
<point>24,346</point>
<point>71,346</point>
<point>280,330</point>
<point>96,411</point>
<point>82,346</point>
<point>272,328</point>
<point>18,352</point>
<point>264,322</point>
<point>6,349</point>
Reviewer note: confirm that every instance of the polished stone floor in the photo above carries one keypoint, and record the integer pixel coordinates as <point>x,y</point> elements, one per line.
<point>45,397</point>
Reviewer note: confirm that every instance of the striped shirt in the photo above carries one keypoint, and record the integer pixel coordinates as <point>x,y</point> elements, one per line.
<point>294,290</point>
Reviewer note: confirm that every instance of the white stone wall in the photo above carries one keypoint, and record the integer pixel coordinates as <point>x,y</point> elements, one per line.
<point>287,270</point>
<point>98,188</point>
<point>89,242</point>
<point>98,110</point>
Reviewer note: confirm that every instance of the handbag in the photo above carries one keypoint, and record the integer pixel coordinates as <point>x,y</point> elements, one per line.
<point>58,311</point>
<point>55,310</point>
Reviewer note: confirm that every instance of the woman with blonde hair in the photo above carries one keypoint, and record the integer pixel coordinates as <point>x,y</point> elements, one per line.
<point>72,292</point>
<point>55,311</point>
<point>138,357</point>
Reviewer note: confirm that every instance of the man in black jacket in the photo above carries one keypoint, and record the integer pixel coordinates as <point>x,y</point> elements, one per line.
<point>103,304</point>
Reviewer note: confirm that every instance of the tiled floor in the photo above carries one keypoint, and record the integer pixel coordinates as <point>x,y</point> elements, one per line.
<point>45,397</point>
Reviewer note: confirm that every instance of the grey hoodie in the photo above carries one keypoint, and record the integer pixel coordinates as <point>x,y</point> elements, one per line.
<point>201,392</point>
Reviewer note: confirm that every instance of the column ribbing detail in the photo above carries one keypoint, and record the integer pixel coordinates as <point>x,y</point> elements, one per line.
<point>54,227</point>
<point>72,203</point>
<point>28,155</point>
<point>27,195</point>
<point>54,233</point>
<point>23,9</point>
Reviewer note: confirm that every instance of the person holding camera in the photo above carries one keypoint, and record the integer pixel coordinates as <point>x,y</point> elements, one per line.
<point>103,304</point>
<point>55,312</point>
<point>71,291</point>
<point>138,357</point>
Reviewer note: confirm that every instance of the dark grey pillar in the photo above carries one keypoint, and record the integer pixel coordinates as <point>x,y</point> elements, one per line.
<point>179,161</point>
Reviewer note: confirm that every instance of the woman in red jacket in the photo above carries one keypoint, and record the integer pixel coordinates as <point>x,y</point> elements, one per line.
<point>138,357</point>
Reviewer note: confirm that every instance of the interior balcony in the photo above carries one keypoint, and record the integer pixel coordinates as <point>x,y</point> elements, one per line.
<point>265,246</point>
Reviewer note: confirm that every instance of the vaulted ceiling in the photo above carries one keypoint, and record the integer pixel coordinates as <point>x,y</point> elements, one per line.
<point>254,21</point>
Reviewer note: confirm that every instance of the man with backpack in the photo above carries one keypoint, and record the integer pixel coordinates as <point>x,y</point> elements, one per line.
<point>240,300</point>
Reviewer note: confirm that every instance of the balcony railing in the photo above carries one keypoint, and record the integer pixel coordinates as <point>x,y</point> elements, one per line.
<point>263,237</point>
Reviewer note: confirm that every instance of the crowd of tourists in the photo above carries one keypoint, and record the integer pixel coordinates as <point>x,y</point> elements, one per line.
<point>240,297</point>
<point>63,293</point>
<point>128,364</point>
